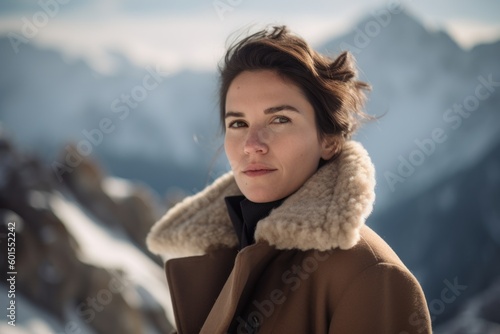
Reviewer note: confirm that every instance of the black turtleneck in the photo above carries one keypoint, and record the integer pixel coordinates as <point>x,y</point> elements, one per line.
<point>245,215</point>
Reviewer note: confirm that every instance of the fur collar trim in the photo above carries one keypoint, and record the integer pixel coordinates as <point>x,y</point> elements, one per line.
<point>327,212</point>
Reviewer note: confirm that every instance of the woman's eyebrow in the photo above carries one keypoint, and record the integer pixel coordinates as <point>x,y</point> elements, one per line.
<point>270,110</point>
<point>280,108</point>
<point>234,114</point>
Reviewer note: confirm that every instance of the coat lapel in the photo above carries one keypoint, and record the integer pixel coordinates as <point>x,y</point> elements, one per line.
<point>195,282</point>
<point>248,268</point>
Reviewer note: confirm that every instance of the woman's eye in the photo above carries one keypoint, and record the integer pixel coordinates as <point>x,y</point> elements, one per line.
<point>236,124</point>
<point>281,120</point>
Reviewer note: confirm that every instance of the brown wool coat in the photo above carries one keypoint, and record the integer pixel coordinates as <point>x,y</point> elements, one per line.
<point>315,266</point>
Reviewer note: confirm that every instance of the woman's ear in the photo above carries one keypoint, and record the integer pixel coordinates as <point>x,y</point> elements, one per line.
<point>330,146</point>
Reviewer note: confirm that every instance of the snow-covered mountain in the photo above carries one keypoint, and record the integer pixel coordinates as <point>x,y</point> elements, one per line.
<point>168,121</point>
<point>420,78</point>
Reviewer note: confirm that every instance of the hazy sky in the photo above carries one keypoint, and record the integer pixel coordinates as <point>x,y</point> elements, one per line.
<point>192,34</point>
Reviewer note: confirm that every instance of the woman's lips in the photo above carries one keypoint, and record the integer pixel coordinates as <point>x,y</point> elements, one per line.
<point>258,170</point>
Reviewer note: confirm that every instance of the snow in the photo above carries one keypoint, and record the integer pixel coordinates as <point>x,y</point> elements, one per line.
<point>111,249</point>
<point>117,188</point>
<point>38,199</point>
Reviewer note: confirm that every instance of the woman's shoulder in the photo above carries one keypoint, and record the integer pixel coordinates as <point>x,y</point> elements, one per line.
<point>371,252</point>
<point>373,246</point>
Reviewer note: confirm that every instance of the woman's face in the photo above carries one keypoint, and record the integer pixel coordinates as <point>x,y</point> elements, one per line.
<point>271,138</point>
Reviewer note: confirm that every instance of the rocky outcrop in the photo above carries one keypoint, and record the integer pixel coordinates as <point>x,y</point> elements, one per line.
<point>49,265</point>
<point>114,202</point>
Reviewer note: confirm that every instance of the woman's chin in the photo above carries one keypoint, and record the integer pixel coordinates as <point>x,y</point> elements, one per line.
<point>262,196</point>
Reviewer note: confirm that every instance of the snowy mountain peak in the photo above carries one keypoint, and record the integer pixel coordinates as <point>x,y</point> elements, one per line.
<point>392,32</point>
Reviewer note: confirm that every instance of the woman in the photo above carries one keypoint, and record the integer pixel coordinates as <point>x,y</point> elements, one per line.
<point>279,245</point>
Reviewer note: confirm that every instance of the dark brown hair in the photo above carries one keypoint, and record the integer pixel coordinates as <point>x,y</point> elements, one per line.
<point>330,85</point>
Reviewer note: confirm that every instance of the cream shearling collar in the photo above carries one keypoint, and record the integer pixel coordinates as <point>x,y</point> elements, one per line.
<point>327,212</point>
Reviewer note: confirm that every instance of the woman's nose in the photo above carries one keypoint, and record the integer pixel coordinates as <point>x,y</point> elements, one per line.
<point>257,141</point>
